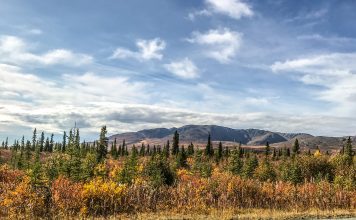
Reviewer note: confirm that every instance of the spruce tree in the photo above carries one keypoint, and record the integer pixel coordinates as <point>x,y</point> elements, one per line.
<point>209,148</point>
<point>274,154</point>
<point>7,143</point>
<point>42,140</point>
<point>190,149</point>
<point>114,152</point>
<point>235,162</point>
<point>102,149</point>
<point>142,150</point>
<point>46,146</point>
<point>64,142</point>
<point>51,144</point>
<point>348,147</point>
<point>167,149</point>
<point>175,145</point>
<point>28,154</point>
<point>34,139</point>
<point>182,158</point>
<point>220,151</point>
<point>267,149</point>
<point>296,148</point>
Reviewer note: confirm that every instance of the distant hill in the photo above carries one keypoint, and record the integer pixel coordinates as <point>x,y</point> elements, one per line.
<point>198,134</point>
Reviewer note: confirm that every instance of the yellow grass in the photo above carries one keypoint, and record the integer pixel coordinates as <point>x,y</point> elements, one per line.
<point>244,214</point>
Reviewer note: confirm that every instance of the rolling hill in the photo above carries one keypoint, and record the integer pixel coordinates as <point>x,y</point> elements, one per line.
<point>249,137</point>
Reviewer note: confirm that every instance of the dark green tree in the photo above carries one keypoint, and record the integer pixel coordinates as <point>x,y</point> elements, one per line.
<point>296,147</point>
<point>348,147</point>
<point>175,146</point>
<point>182,158</point>
<point>64,142</point>
<point>42,140</point>
<point>220,151</point>
<point>267,149</point>
<point>102,149</point>
<point>209,148</point>
<point>34,139</point>
<point>190,150</point>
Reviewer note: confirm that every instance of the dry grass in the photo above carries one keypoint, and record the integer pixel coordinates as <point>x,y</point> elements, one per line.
<point>244,214</point>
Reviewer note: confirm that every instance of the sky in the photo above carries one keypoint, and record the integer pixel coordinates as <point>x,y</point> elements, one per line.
<point>279,65</point>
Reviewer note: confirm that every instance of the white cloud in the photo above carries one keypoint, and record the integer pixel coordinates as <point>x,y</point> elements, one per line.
<point>14,50</point>
<point>29,101</point>
<point>222,44</point>
<point>232,8</point>
<point>147,50</point>
<point>183,68</point>
<point>335,73</point>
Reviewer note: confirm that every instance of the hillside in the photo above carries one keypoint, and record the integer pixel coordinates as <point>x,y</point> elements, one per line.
<point>250,137</point>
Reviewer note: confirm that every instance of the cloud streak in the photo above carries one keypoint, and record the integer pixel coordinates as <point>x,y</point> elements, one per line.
<point>15,50</point>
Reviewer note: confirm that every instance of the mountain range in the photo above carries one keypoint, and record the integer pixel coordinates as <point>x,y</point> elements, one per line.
<point>198,134</point>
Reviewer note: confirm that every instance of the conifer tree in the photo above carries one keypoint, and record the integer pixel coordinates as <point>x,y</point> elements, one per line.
<point>148,150</point>
<point>34,139</point>
<point>64,142</point>
<point>250,166</point>
<point>154,150</point>
<point>190,149</point>
<point>182,158</point>
<point>209,148</point>
<point>235,162</point>
<point>102,145</point>
<point>175,146</point>
<point>114,152</point>
<point>274,154</point>
<point>51,143</point>
<point>22,143</point>
<point>220,151</point>
<point>267,149</point>
<point>28,154</point>
<point>296,148</point>
<point>46,146</point>
<point>166,149</point>
<point>142,150</point>
<point>348,147</point>
<point>42,140</point>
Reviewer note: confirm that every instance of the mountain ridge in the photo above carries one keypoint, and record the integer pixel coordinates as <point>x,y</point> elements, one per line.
<point>249,137</point>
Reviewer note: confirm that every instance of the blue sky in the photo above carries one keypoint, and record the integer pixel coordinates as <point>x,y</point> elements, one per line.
<point>279,65</point>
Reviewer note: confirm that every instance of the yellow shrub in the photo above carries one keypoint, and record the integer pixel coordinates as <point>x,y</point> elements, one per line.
<point>102,197</point>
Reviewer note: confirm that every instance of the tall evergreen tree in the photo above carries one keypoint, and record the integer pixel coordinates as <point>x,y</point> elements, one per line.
<point>220,151</point>
<point>175,146</point>
<point>182,158</point>
<point>209,148</point>
<point>235,162</point>
<point>28,154</point>
<point>46,146</point>
<point>34,139</point>
<point>348,147</point>
<point>102,145</point>
<point>42,140</point>
<point>296,147</point>
<point>190,149</point>
<point>51,144</point>
<point>7,143</point>
<point>166,149</point>
<point>267,149</point>
<point>64,142</point>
